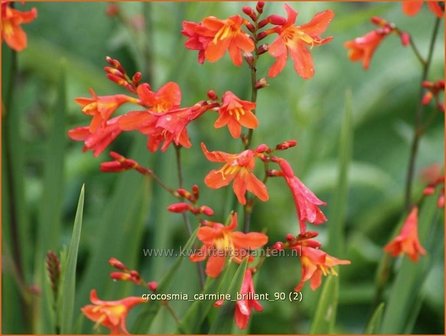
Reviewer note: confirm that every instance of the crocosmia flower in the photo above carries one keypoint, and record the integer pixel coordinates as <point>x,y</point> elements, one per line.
<point>12,19</point>
<point>98,140</point>
<point>407,241</point>
<point>102,107</point>
<point>362,48</point>
<point>314,264</point>
<point>236,113</point>
<point>110,314</point>
<point>412,7</point>
<point>238,168</point>
<point>297,40</point>
<point>246,303</point>
<point>213,37</point>
<point>306,202</point>
<point>221,241</point>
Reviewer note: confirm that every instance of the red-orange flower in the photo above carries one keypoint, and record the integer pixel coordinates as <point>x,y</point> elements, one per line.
<point>236,113</point>
<point>213,37</point>
<point>314,264</point>
<point>362,48</point>
<point>296,40</point>
<point>110,314</point>
<point>412,7</point>
<point>433,91</point>
<point>246,301</point>
<point>102,107</point>
<point>238,168</point>
<point>164,120</point>
<point>12,19</point>
<point>407,241</point>
<point>98,140</point>
<point>220,241</point>
<point>306,202</point>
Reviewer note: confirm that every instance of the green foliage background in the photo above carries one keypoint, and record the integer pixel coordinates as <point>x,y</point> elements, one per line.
<point>125,213</point>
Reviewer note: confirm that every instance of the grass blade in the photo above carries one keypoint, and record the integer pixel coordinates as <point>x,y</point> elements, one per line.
<point>374,324</point>
<point>224,321</point>
<point>325,317</point>
<point>409,281</point>
<point>338,214</point>
<point>68,283</point>
<point>146,317</point>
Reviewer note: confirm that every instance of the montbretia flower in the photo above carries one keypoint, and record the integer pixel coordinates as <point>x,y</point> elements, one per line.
<point>247,301</point>
<point>297,40</point>
<point>314,264</point>
<point>98,140</point>
<point>306,202</point>
<point>362,48</point>
<point>12,19</point>
<point>236,113</point>
<point>111,314</point>
<point>407,241</point>
<point>102,107</point>
<point>213,37</point>
<point>221,241</point>
<point>412,7</point>
<point>238,168</point>
<point>163,120</point>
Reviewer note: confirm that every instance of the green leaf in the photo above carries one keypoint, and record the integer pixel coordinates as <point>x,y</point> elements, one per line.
<point>224,321</point>
<point>409,280</point>
<point>325,317</point>
<point>339,208</point>
<point>199,310</point>
<point>68,283</point>
<point>149,312</point>
<point>375,321</point>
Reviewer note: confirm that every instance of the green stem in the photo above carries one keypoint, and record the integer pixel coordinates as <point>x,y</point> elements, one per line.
<point>418,120</point>
<point>247,208</point>
<point>185,218</point>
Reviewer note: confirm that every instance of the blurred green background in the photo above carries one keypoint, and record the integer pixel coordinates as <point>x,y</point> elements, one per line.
<point>125,213</point>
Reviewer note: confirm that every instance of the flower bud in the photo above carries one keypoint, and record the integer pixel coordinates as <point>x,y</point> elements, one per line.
<point>196,191</point>
<point>262,148</point>
<point>212,95</point>
<point>278,246</point>
<point>112,9</point>
<point>179,207</point>
<point>286,144</point>
<point>376,20</point>
<point>405,38</point>
<point>262,49</point>
<point>276,20</point>
<point>120,276</point>
<point>274,173</point>
<point>250,12</point>
<point>289,237</point>
<point>259,7</point>
<point>117,264</point>
<point>136,78</point>
<point>152,285</point>
<point>261,83</point>
<point>205,210</point>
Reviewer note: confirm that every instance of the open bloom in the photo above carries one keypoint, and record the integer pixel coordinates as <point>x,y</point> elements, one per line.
<point>12,19</point>
<point>247,300</point>
<point>98,140</point>
<point>296,40</point>
<point>110,314</point>
<point>164,120</point>
<point>220,241</point>
<point>102,107</point>
<point>306,202</point>
<point>412,7</point>
<point>213,37</point>
<point>407,241</point>
<point>314,264</point>
<point>238,168</point>
<point>362,48</point>
<point>236,113</point>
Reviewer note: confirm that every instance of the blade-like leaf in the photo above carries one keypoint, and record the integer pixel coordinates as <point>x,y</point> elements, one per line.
<point>68,283</point>
<point>148,314</point>
<point>199,310</point>
<point>224,320</point>
<point>375,321</point>
<point>409,280</point>
<point>325,317</point>
<point>338,213</point>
